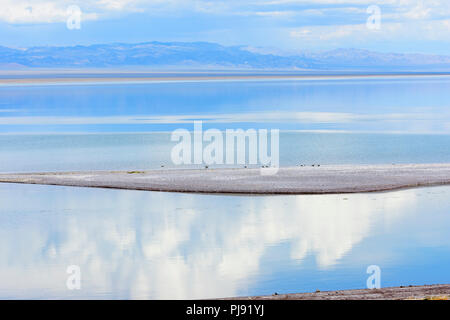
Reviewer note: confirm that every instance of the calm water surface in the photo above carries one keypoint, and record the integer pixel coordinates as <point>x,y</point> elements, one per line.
<point>405,105</point>
<point>127,151</point>
<point>132,244</point>
<point>383,120</point>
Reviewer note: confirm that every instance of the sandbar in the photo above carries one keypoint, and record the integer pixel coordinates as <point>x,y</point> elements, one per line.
<point>326,179</point>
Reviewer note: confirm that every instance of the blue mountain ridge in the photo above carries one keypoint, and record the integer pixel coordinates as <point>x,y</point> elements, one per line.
<point>210,55</point>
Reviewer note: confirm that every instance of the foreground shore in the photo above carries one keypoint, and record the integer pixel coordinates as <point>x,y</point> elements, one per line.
<point>293,180</point>
<point>427,292</point>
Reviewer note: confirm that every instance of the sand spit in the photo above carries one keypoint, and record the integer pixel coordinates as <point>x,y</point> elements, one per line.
<point>293,180</point>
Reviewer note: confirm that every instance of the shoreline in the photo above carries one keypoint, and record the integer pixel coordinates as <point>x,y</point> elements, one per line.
<point>333,179</point>
<point>425,292</point>
<point>130,77</point>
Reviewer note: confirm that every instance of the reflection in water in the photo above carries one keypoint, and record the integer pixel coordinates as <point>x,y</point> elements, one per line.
<point>132,244</point>
<point>405,104</point>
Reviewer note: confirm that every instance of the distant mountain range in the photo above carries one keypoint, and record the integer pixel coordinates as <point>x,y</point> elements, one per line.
<point>203,55</point>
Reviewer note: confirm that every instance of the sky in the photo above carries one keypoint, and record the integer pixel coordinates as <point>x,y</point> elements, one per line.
<point>279,26</point>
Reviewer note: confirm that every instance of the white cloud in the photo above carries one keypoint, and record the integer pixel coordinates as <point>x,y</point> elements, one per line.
<point>38,11</point>
<point>425,30</point>
<point>46,11</point>
<point>116,4</point>
<point>264,22</point>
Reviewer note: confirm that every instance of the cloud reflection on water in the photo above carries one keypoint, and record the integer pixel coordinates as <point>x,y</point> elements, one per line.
<point>133,244</point>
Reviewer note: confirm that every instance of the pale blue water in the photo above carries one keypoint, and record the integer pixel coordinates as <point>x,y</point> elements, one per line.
<point>390,120</point>
<point>405,105</point>
<point>132,244</point>
<point>118,151</point>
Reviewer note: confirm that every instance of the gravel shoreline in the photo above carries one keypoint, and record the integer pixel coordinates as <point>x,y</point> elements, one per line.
<point>426,292</point>
<point>292,180</point>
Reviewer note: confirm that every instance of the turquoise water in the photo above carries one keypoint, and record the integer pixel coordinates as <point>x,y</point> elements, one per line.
<point>133,244</point>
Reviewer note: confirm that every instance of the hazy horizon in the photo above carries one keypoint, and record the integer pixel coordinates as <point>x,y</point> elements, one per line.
<point>210,56</point>
<point>280,26</point>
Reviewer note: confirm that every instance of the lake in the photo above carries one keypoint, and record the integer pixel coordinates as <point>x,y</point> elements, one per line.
<point>133,244</point>
<point>136,245</point>
<point>125,126</point>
